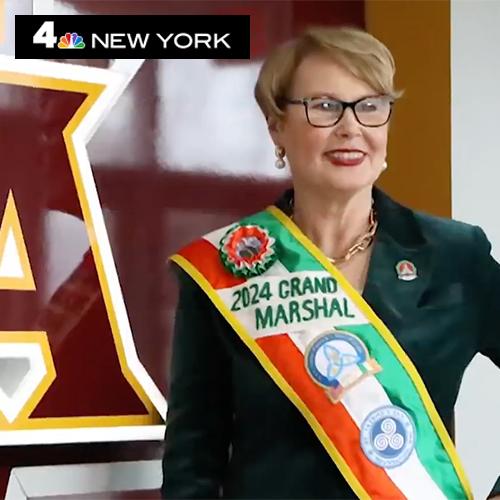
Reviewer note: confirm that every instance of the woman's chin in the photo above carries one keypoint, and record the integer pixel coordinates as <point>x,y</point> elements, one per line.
<point>348,181</point>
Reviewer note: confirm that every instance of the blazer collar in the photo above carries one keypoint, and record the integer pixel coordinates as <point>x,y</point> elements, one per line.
<point>399,237</point>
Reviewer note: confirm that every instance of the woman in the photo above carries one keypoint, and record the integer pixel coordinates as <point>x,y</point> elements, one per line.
<point>320,344</point>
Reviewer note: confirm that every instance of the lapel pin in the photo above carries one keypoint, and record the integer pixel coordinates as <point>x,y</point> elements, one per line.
<point>406,270</point>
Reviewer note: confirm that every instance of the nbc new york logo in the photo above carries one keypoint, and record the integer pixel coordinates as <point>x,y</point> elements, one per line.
<point>71,41</point>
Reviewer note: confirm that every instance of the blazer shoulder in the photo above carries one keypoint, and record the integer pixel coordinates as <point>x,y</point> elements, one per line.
<point>414,227</point>
<point>460,248</point>
<point>444,231</point>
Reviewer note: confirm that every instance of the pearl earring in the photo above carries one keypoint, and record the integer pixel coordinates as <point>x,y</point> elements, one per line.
<point>384,166</point>
<point>279,151</point>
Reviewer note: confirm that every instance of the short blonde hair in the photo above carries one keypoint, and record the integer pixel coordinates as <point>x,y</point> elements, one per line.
<point>356,50</point>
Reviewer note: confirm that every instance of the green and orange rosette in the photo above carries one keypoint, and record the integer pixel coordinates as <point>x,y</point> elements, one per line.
<point>247,251</point>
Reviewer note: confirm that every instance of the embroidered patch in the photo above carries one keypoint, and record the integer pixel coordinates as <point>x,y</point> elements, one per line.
<point>338,360</point>
<point>247,250</point>
<point>388,436</point>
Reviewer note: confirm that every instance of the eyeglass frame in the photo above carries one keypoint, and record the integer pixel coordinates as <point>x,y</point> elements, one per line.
<point>345,104</point>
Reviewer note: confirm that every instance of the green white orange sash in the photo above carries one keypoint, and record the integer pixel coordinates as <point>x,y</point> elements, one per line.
<point>331,355</point>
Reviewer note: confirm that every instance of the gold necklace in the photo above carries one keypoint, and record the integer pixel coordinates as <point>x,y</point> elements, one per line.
<point>362,243</point>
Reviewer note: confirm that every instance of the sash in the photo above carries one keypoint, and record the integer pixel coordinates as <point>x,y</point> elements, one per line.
<point>330,354</point>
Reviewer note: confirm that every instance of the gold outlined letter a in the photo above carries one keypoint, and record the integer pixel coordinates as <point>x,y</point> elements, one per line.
<point>15,267</point>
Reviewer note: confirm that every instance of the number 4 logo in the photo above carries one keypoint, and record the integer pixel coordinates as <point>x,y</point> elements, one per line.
<point>45,35</point>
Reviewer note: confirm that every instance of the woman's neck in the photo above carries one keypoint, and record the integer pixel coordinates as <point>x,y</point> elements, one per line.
<point>334,222</point>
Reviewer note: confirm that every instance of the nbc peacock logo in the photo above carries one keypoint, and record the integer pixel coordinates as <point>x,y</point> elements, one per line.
<point>71,41</point>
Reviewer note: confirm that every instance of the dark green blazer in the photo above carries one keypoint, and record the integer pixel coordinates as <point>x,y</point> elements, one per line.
<point>230,430</point>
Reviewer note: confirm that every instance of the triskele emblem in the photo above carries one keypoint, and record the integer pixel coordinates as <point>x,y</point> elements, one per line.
<point>337,360</point>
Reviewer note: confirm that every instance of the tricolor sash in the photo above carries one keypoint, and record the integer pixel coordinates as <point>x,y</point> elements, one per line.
<point>331,355</point>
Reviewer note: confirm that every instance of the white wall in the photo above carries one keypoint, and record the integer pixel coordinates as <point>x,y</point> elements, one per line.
<point>11,9</point>
<point>475,67</point>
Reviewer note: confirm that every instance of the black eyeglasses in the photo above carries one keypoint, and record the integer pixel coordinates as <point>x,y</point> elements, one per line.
<point>373,111</point>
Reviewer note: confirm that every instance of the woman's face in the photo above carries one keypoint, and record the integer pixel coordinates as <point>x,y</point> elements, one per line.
<point>346,157</point>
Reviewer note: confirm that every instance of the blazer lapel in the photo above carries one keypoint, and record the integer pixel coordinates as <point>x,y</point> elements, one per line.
<point>398,238</point>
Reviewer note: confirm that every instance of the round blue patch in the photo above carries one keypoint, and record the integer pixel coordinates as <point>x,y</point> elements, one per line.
<point>328,356</point>
<point>388,436</point>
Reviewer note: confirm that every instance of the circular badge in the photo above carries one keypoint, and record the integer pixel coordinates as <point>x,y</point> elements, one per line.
<point>331,354</point>
<point>388,436</point>
<point>247,250</point>
<point>406,270</point>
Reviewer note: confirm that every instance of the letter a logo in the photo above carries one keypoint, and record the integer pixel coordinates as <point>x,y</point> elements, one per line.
<point>15,267</point>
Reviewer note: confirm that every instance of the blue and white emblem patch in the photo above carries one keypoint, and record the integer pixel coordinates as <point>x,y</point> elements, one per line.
<point>388,436</point>
<point>337,360</point>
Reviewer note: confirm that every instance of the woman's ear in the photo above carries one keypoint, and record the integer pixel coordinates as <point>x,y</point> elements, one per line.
<point>274,127</point>
<point>272,123</point>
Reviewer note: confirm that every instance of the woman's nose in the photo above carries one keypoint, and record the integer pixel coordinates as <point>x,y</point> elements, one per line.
<point>348,124</point>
